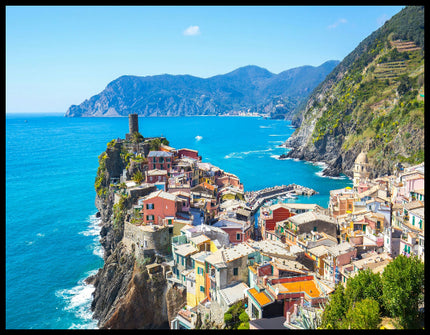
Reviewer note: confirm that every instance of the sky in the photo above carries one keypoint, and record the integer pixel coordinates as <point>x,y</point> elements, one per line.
<point>58,56</point>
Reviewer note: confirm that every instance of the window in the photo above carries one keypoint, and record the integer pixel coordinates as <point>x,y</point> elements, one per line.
<point>150,217</point>
<point>238,237</point>
<point>199,271</point>
<point>235,271</point>
<point>202,288</point>
<point>315,228</point>
<point>149,206</point>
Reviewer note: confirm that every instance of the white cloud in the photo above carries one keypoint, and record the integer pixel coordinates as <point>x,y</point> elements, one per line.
<point>337,23</point>
<point>192,30</point>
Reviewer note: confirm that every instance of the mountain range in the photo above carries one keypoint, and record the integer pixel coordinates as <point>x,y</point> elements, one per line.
<point>249,88</point>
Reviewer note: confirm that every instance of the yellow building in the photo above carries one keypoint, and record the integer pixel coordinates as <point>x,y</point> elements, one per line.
<point>201,291</point>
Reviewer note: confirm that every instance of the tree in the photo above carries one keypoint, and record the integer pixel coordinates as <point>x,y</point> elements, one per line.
<point>335,309</point>
<point>363,314</point>
<point>403,289</point>
<point>236,316</point>
<point>365,284</point>
<point>155,144</point>
<point>405,85</point>
<point>138,177</point>
<point>136,137</point>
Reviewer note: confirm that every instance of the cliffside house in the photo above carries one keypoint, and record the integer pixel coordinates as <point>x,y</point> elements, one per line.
<point>160,160</point>
<point>159,208</point>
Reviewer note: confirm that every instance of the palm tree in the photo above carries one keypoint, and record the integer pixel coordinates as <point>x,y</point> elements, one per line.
<point>138,177</point>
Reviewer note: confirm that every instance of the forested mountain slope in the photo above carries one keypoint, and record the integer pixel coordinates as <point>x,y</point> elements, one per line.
<point>372,101</point>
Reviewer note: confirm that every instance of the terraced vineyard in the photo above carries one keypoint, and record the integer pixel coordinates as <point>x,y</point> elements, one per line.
<point>403,46</point>
<point>390,70</point>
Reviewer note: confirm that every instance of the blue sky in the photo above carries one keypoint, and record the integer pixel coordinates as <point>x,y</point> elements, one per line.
<point>59,56</point>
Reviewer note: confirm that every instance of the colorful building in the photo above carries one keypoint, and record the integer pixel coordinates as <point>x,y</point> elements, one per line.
<point>160,160</point>
<point>159,208</point>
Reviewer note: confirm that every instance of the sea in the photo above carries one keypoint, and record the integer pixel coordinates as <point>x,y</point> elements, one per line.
<point>52,233</point>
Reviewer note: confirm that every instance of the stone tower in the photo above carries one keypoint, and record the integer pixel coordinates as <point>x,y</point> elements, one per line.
<point>361,169</point>
<point>133,125</point>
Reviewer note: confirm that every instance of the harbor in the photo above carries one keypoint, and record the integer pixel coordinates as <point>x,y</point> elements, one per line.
<point>255,199</point>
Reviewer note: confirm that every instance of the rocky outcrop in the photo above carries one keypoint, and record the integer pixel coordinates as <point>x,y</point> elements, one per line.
<point>127,294</point>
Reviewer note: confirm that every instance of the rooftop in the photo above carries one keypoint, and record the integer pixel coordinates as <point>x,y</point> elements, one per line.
<point>234,292</point>
<point>156,172</point>
<point>262,298</point>
<point>309,217</point>
<point>160,154</point>
<point>307,286</point>
<point>318,251</point>
<point>268,323</point>
<point>201,256</point>
<point>199,239</point>
<point>185,249</point>
<point>160,194</point>
<point>270,246</point>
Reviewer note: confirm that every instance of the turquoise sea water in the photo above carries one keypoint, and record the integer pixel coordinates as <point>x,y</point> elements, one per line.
<point>51,230</point>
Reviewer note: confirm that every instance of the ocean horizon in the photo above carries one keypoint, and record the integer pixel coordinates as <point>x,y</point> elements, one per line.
<point>52,234</point>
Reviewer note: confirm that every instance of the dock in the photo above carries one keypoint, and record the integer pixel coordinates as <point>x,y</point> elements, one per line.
<point>255,199</point>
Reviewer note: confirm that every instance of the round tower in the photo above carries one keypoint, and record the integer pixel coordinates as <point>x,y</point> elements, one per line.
<point>361,171</point>
<point>133,123</point>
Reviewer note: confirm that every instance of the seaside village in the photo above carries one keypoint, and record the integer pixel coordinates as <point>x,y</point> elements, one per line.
<point>283,263</point>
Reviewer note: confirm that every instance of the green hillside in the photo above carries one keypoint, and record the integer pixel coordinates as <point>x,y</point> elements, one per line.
<point>373,101</point>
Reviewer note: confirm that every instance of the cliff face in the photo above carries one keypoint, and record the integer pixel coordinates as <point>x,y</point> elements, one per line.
<point>126,294</point>
<point>372,101</point>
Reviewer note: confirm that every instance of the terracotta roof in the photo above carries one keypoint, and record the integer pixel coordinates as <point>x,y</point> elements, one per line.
<point>307,286</point>
<point>260,297</point>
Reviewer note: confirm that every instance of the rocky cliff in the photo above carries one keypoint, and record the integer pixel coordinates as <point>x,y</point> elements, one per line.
<point>372,101</point>
<point>127,294</point>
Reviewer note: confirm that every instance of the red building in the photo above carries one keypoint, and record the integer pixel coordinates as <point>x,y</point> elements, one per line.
<point>157,206</point>
<point>188,153</point>
<point>160,160</point>
<point>238,231</point>
<point>275,213</point>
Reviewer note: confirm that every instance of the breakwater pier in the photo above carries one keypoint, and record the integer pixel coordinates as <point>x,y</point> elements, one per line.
<point>255,199</point>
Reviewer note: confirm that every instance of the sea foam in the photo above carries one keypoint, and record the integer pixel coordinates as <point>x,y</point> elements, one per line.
<point>78,301</point>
